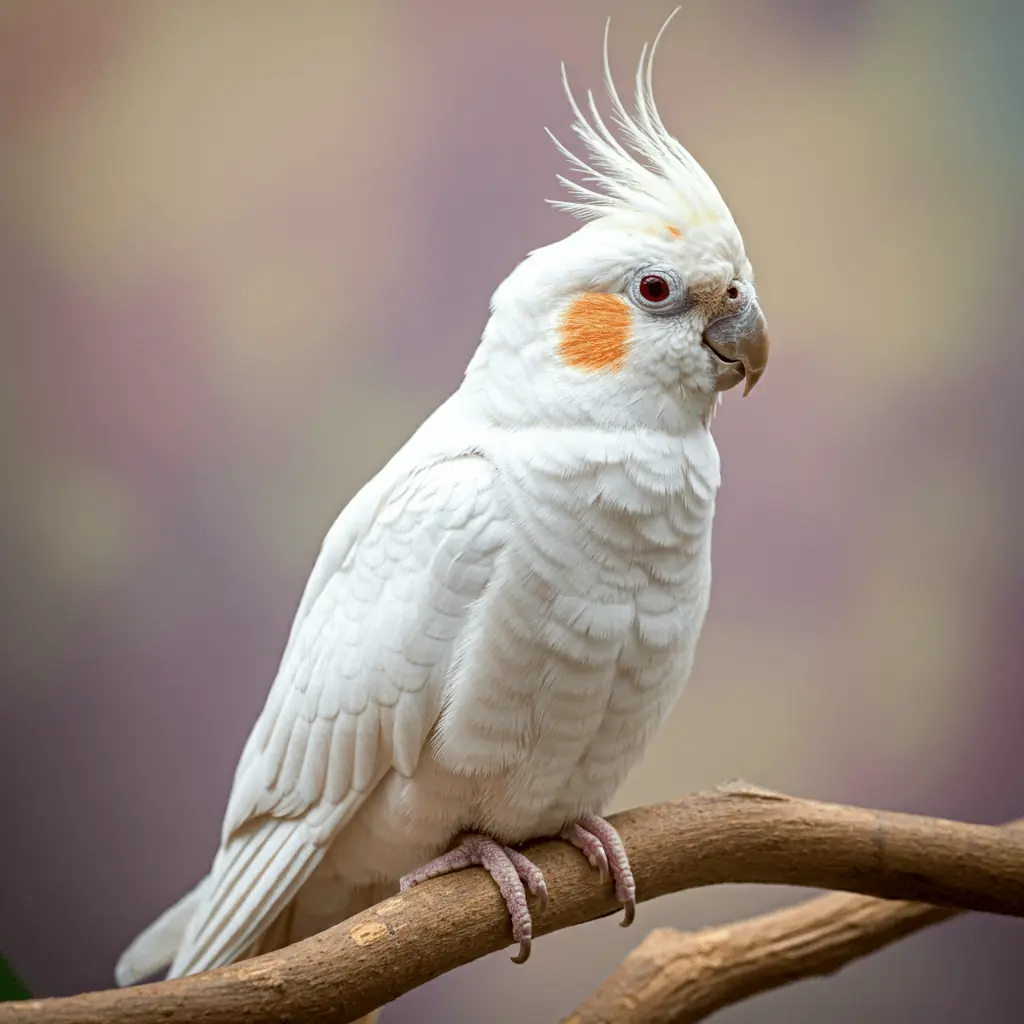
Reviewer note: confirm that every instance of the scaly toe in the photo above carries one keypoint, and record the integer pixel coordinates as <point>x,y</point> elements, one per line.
<point>512,871</point>
<point>599,841</point>
<point>590,846</point>
<point>531,875</point>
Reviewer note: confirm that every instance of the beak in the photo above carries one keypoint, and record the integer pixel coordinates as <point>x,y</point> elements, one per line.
<point>738,344</point>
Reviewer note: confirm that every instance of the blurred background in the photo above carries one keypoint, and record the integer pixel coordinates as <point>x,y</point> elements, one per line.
<point>246,247</point>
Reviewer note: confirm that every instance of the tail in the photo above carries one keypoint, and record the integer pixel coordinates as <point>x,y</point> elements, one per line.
<point>153,950</point>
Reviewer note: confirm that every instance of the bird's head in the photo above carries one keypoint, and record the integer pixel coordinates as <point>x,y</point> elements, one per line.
<point>645,314</point>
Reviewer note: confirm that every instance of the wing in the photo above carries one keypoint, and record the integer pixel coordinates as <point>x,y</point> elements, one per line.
<point>357,693</point>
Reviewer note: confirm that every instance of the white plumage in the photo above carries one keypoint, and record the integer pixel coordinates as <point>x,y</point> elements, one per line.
<point>500,620</point>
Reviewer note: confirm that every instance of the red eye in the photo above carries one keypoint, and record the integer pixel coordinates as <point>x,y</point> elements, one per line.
<point>654,288</point>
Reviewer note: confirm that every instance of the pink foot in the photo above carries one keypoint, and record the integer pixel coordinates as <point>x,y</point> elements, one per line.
<point>602,846</point>
<point>509,869</point>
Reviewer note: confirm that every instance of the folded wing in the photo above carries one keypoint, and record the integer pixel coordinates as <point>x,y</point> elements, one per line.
<point>358,691</point>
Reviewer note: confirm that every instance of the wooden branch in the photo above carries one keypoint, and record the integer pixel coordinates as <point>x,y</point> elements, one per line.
<point>676,977</point>
<point>737,833</point>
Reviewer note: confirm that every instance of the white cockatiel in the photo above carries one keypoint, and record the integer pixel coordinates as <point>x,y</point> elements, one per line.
<point>500,620</point>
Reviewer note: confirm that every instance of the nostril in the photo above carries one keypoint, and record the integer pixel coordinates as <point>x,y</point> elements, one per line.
<point>733,292</point>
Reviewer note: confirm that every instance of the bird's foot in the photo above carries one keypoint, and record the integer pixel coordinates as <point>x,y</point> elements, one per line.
<point>603,847</point>
<point>510,870</point>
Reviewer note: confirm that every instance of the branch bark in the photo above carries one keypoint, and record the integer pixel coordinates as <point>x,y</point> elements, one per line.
<point>737,833</point>
<point>676,977</point>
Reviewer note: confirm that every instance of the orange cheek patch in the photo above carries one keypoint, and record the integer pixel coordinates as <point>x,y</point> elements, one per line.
<point>594,332</point>
<point>674,231</point>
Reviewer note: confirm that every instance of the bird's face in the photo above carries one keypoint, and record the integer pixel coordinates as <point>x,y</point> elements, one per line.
<point>662,304</point>
<point>631,321</point>
<point>647,313</point>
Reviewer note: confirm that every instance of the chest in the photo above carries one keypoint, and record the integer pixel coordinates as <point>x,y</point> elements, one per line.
<point>604,521</point>
<point>591,618</point>
<point>603,585</point>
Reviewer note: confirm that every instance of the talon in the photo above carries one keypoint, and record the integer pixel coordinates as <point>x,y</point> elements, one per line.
<point>602,846</point>
<point>542,894</point>
<point>523,955</point>
<point>629,915</point>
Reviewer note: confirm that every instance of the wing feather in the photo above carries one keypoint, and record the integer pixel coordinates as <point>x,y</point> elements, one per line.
<point>357,693</point>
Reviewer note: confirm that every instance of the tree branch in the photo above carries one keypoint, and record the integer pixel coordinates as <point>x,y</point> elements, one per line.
<point>737,833</point>
<point>676,977</point>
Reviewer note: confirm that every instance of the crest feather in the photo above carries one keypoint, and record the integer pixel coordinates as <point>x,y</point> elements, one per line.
<point>665,181</point>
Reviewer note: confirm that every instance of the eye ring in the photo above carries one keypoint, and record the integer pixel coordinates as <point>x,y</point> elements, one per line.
<point>657,290</point>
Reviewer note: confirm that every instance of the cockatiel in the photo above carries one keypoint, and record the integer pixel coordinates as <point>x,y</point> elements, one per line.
<point>500,620</point>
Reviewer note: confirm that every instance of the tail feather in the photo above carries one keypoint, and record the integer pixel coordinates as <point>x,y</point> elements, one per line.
<point>154,948</point>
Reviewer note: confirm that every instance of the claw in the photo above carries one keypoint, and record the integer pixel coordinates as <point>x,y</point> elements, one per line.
<point>602,846</point>
<point>630,913</point>
<point>525,945</point>
<point>543,897</point>
<point>513,872</point>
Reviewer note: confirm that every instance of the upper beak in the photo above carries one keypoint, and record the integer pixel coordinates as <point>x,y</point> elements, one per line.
<point>739,347</point>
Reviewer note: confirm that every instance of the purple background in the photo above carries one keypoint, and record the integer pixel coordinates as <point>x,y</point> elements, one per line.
<point>246,247</point>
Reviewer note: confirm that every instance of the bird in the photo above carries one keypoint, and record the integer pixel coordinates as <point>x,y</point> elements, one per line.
<point>499,622</point>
